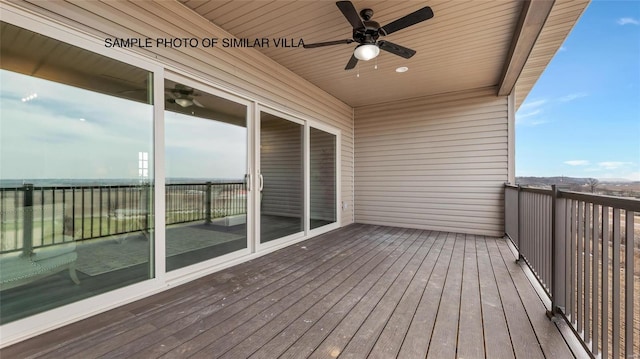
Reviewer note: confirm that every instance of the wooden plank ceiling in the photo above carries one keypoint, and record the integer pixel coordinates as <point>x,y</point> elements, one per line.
<point>464,46</point>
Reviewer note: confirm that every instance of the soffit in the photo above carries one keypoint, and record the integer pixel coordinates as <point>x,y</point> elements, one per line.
<point>464,46</point>
<point>561,20</point>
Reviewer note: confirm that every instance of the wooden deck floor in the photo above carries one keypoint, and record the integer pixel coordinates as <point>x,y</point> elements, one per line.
<point>361,291</point>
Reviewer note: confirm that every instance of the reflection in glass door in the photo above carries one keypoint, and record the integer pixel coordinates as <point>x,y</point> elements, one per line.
<point>76,174</point>
<point>282,177</point>
<point>322,154</point>
<point>206,163</point>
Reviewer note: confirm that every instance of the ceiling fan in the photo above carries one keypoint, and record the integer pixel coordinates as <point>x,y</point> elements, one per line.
<point>183,96</point>
<point>366,33</point>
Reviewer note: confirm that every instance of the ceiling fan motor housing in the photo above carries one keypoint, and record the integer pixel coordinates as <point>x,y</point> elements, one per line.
<point>368,34</point>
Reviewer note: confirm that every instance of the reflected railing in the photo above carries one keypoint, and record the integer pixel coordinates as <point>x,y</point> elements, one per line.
<point>41,216</point>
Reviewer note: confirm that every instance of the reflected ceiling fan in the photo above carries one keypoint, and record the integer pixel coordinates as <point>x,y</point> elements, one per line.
<point>366,33</point>
<point>183,96</point>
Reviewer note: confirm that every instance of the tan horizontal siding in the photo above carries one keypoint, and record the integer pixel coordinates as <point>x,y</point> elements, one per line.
<point>244,71</point>
<point>438,162</point>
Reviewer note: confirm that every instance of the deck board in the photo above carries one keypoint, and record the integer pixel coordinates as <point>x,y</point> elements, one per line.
<point>391,338</point>
<point>470,333</point>
<point>523,338</point>
<point>416,342</point>
<point>497,341</point>
<point>552,345</point>
<point>325,298</point>
<point>444,338</point>
<point>360,291</point>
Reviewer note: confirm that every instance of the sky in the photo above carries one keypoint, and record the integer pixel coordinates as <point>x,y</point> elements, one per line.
<point>582,117</point>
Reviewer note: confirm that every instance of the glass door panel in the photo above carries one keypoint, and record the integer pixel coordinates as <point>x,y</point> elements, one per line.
<point>282,177</point>
<point>76,174</point>
<point>322,154</point>
<point>206,163</point>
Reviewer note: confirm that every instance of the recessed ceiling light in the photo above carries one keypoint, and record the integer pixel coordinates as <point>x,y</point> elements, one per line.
<point>82,120</point>
<point>402,69</point>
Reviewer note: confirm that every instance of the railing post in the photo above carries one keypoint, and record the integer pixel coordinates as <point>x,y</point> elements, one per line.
<point>558,222</point>
<point>27,224</point>
<point>208,204</point>
<point>519,221</point>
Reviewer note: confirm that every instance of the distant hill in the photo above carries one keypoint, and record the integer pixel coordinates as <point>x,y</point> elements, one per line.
<point>548,181</point>
<point>611,187</point>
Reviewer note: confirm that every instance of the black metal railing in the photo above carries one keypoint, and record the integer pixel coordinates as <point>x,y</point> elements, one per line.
<point>39,216</point>
<point>583,249</point>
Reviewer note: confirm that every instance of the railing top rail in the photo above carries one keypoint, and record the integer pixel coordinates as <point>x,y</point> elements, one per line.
<point>628,204</point>
<point>529,189</point>
<point>64,187</point>
<point>624,203</point>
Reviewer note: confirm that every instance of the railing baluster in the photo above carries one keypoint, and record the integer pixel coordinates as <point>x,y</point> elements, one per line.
<point>42,216</point>
<point>615,305</point>
<point>605,281</point>
<point>628,288</point>
<point>2,219</point>
<point>27,229</point>
<point>91,211</point>
<point>595,260</point>
<point>73,211</point>
<point>100,211</point>
<point>82,212</point>
<point>110,214</point>
<point>587,272</point>
<point>16,214</point>
<point>580,254</point>
<point>568,284</point>
<point>574,264</point>
<point>558,257</point>
<point>548,236</point>
<point>53,215</point>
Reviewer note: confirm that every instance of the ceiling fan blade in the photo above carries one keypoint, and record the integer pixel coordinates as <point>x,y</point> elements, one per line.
<point>349,11</point>
<point>353,61</point>
<point>197,103</point>
<point>327,43</point>
<point>396,49</point>
<point>415,17</point>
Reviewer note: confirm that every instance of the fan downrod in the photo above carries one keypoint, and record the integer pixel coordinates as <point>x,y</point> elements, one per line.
<point>366,14</point>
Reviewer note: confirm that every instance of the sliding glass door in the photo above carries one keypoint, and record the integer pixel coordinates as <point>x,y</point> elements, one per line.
<point>76,174</point>
<point>323,185</point>
<point>206,140</point>
<point>281,177</point>
<point>298,166</point>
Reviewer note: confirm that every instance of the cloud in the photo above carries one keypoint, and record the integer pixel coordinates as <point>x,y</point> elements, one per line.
<point>612,165</point>
<point>533,104</point>
<point>529,114</point>
<point>628,20</point>
<point>572,96</point>
<point>528,111</point>
<point>577,162</point>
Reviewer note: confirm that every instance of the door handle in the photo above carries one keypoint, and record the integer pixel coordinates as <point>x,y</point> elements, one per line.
<point>261,183</point>
<point>247,181</point>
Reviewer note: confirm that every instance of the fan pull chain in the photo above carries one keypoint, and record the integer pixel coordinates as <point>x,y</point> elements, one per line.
<point>358,70</point>
<point>375,67</point>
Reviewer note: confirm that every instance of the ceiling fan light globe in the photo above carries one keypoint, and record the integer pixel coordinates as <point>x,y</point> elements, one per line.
<point>366,52</point>
<point>184,102</point>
